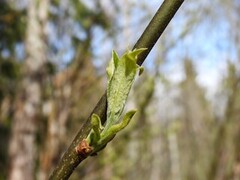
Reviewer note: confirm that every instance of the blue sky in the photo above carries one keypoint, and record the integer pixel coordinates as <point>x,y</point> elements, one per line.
<point>208,43</point>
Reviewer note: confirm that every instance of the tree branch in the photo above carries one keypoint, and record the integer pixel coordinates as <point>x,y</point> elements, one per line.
<point>71,159</point>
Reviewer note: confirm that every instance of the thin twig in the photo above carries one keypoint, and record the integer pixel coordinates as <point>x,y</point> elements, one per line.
<point>159,22</point>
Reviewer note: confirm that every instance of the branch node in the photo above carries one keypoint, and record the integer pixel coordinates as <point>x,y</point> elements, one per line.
<point>83,149</point>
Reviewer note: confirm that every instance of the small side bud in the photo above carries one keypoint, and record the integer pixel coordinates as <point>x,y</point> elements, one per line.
<point>83,149</point>
<point>141,69</point>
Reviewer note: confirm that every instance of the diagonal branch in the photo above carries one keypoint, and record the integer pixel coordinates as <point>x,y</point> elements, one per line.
<point>165,13</point>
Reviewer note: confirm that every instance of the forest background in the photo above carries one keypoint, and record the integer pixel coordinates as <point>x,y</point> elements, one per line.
<point>53,56</point>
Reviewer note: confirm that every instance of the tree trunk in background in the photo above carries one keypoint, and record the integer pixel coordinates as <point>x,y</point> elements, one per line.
<point>22,148</point>
<point>196,142</point>
<point>71,88</point>
<point>56,132</point>
<point>226,159</point>
<point>156,145</point>
<point>174,151</point>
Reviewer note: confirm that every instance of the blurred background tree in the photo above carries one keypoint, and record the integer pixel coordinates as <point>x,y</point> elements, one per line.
<point>53,56</point>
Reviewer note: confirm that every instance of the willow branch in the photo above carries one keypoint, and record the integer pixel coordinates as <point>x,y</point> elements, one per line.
<point>155,28</point>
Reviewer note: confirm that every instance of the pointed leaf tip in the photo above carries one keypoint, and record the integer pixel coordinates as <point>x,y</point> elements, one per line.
<point>136,52</point>
<point>141,69</point>
<point>131,113</point>
<point>95,120</point>
<point>115,58</point>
